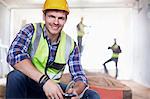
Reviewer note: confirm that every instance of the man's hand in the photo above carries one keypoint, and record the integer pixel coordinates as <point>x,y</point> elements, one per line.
<point>109,47</point>
<point>73,91</point>
<point>52,90</point>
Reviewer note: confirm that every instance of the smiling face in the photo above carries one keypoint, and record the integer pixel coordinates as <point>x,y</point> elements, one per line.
<point>54,21</point>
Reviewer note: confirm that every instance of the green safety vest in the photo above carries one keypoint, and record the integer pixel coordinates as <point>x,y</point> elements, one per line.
<point>39,52</point>
<point>80,29</point>
<point>115,54</point>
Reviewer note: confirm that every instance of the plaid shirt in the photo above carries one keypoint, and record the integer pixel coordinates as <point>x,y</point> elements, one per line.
<point>18,51</point>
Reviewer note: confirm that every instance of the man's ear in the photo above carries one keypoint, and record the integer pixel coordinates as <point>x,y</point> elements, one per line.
<point>44,15</point>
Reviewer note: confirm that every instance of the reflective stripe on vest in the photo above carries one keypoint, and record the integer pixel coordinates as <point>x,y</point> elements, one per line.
<point>39,52</point>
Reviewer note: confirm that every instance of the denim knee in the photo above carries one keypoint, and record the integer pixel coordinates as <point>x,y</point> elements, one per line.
<point>16,84</point>
<point>15,75</point>
<point>91,94</point>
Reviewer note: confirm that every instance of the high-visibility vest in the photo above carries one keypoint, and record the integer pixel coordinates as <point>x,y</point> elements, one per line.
<point>115,49</point>
<point>39,52</point>
<point>80,29</point>
<point>115,55</point>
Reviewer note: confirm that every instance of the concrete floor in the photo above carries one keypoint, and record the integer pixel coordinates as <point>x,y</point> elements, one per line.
<point>138,91</point>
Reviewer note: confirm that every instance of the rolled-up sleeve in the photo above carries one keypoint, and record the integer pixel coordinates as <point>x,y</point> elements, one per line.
<point>18,50</point>
<point>75,67</point>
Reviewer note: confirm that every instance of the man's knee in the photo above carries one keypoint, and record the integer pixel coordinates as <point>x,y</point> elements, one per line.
<point>91,94</point>
<point>16,84</point>
<point>95,95</point>
<point>15,76</point>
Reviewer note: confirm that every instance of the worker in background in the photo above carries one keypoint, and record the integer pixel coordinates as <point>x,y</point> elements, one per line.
<point>39,54</point>
<point>116,51</point>
<point>80,33</point>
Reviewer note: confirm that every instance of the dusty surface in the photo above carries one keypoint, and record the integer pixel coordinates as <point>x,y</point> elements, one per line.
<point>101,80</point>
<point>105,85</point>
<point>2,91</point>
<point>139,91</point>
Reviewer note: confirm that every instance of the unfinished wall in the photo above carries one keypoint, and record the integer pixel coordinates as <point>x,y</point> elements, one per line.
<point>4,24</point>
<point>4,38</point>
<point>141,44</point>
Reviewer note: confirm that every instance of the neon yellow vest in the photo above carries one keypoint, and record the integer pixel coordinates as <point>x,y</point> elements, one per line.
<point>39,52</point>
<point>115,55</point>
<point>80,30</point>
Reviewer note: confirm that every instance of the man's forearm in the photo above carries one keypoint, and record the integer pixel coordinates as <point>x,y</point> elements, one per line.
<point>26,67</point>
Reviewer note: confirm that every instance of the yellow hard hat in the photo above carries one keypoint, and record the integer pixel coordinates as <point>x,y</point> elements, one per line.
<point>56,4</point>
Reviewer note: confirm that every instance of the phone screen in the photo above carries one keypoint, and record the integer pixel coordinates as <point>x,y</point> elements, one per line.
<point>69,95</point>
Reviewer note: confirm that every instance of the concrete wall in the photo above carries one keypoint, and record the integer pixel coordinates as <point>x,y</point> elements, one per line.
<point>4,38</point>
<point>4,24</point>
<point>141,44</point>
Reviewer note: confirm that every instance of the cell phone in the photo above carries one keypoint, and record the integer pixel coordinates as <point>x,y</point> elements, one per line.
<point>69,95</point>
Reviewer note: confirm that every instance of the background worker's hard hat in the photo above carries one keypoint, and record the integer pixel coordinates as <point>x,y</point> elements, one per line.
<point>56,4</point>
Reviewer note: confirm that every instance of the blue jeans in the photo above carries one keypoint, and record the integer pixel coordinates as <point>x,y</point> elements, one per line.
<point>79,38</point>
<point>20,86</point>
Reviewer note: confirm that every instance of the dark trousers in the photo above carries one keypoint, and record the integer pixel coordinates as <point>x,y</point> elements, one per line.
<point>80,43</point>
<point>22,87</point>
<point>116,64</point>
